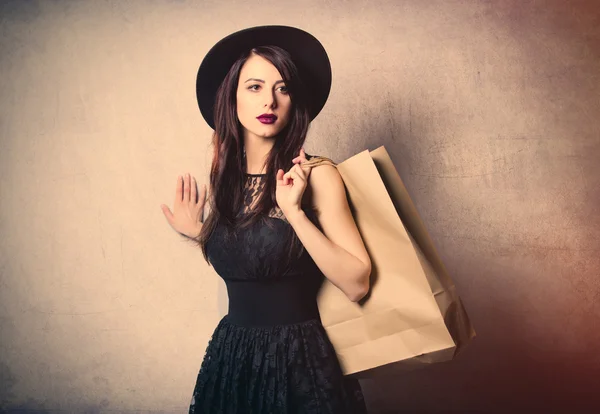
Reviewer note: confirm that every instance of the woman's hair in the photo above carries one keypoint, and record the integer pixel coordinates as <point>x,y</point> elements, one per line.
<point>227,176</point>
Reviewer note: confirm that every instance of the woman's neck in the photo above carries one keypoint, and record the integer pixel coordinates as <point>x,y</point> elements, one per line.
<point>255,157</point>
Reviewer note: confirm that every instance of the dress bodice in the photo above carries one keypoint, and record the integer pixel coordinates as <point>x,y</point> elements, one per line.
<point>260,252</point>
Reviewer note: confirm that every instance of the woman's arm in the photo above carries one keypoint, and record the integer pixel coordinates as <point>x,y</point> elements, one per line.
<point>338,251</point>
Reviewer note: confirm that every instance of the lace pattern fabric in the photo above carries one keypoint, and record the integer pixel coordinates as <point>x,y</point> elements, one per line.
<point>287,369</point>
<point>254,186</point>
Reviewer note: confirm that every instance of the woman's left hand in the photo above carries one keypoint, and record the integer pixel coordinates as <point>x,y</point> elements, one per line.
<point>291,186</point>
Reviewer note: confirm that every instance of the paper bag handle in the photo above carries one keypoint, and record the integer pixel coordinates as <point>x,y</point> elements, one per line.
<point>316,160</point>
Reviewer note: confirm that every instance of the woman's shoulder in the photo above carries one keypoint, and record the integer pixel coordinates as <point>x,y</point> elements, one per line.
<point>323,175</point>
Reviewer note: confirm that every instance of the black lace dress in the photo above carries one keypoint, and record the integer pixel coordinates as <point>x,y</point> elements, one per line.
<point>270,353</point>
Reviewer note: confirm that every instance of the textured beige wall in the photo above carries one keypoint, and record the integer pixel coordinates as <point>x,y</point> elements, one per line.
<point>488,108</point>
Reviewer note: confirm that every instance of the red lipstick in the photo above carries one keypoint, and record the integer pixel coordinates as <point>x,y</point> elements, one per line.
<point>267,118</point>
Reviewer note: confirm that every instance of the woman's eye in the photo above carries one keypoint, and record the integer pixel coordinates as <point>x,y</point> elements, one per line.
<point>283,89</point>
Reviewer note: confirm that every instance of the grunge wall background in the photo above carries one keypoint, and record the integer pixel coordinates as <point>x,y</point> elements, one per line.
<point>490,110</point>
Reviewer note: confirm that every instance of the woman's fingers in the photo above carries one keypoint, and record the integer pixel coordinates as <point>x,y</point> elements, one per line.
<point>186,188</point>
<point>296,171</point>
<point>187,192</point>
<point>204,196</point>
<point>193,191</point>
<point>301,157</point>
<point>179,190</point>
<point>293,176</point>
<point>168,214</point>
<point>289,173</point>
<point>187,214</point>
<point>299,173</point>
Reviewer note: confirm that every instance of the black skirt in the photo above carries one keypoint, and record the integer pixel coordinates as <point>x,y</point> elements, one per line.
<point>280,369</point>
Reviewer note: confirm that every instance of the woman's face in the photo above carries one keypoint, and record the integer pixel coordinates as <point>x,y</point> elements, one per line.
<point>260,91</point>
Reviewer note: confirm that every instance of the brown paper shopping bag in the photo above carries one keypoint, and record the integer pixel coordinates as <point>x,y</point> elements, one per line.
<point>412,314</point>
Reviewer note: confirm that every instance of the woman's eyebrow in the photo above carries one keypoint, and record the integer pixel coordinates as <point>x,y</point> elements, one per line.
<point>260,80</point>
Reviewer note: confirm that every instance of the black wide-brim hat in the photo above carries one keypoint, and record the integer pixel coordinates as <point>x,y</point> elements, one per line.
<point>307,53</point>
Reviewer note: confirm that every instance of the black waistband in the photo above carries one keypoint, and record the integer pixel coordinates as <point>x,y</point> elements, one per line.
<point>267,303</point>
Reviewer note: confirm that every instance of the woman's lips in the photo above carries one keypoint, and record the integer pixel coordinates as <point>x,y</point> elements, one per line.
<point>267,119</point>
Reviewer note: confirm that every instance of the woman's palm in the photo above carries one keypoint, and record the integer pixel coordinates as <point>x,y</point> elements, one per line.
<point>185,218</point>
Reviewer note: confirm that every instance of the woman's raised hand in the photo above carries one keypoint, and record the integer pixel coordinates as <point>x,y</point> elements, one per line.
<point>291,185</point>
<point>188,207</point>
<point>300,158</point>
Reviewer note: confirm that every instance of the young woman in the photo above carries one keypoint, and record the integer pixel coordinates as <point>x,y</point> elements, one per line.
<point>274,231</point>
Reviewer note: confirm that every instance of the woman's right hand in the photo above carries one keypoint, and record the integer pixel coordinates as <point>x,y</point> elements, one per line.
<point>186,218</point>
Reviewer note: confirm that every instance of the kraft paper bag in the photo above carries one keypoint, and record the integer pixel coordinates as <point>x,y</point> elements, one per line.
<point>412,314</point>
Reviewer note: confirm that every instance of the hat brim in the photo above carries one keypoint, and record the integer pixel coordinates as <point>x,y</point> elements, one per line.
<point>307,54</point>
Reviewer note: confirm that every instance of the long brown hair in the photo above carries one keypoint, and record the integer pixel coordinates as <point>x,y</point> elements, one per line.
<point>227,177</point>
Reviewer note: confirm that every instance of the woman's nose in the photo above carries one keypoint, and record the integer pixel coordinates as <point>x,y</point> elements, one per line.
<point>270,100</point>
